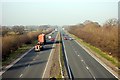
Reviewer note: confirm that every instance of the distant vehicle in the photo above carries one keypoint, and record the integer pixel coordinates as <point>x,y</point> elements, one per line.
<point>56,30</point>
<point>52,39</point>
<point>65,38</point>
<point>41,42</point>
<point>49,37</point>
<point>70,38</point>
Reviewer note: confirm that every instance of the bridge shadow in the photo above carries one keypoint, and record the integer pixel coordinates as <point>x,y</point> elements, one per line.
<point>22,65</point>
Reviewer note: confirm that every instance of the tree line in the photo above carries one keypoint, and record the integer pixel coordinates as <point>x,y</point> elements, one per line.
<point>104,37</point>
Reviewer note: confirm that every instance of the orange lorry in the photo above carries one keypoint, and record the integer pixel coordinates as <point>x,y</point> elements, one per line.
<point>41,42</point>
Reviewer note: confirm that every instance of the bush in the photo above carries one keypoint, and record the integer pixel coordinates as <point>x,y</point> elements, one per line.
<point>12,42</point>
<point>4,30</point>
<point>105,38</point>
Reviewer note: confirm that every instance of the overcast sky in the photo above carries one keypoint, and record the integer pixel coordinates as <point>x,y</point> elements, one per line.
<point>56,12</point>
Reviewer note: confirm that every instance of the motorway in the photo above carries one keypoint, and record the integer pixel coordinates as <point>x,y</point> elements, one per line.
<point>31,65</point>
<point>81,64</point>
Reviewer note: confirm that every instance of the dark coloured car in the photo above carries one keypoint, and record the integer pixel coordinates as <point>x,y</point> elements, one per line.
<point>52,39</point>
<point>65,38</point>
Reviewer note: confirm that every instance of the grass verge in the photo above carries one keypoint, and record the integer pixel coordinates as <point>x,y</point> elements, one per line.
<point>16,54</point>
<point>62,59</point>
<point>55,70</point>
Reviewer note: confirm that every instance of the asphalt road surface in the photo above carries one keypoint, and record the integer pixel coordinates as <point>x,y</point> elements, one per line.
<point>82,65</point>
<point>31,65</point>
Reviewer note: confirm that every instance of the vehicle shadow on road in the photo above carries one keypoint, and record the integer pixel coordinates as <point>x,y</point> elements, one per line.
<point>49,42</point>
<point>18,66</point>
<point>52,42</point>
<point>49,47</point>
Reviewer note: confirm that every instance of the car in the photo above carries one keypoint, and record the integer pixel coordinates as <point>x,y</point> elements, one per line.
<point>65,38</point>
<point>70,38</point>
<point>49,37</point>
<point>52,39</point>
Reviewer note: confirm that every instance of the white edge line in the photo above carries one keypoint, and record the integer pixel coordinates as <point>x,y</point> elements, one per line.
<point>87,67</point>
<point>43,76</point>
<point>9,66</point>
<point>21,75</point>
<point>60,59</point>
<point>98,60</point>
<point>61,66</point>
<point>67,59</point>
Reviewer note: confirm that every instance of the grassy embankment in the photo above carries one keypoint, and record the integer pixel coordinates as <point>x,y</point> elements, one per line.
<point>15,45</point>
<point>17,53</point>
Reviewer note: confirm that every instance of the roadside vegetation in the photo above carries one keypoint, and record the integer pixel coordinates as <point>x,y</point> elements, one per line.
<point>103,38</point>
<point>17,40</point>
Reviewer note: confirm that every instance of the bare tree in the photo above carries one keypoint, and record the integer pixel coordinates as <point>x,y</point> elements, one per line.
<point>18,29</point>
<point>111,23</point>
<point>5,30</point>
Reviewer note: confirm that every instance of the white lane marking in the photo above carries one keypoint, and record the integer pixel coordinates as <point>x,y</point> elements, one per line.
<point>9,66</point>
<point>24,71</point>
<point>84,63</point>
<point>43,76</point>
<point>1,72</point>
<point>82,60</point>
<point>94,77</point>
<point>76,52</point>
<point>87,67</point>
<point>99,61</point>
<point>21,75</point>
<point>34,59</point>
